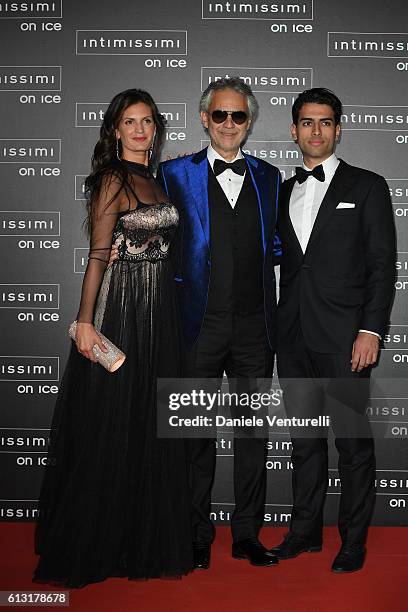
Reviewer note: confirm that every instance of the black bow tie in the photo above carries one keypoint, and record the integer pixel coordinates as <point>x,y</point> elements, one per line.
<point>302,175</point>
<point>238,166</point>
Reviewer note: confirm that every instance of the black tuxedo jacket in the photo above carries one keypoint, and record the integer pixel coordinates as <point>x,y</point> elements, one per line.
<point>345,280</point>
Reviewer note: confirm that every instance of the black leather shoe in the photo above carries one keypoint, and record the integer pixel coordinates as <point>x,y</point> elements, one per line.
<point>293,545</point>
<point>201,556</point>
<point>349,559</point>
<point>254,552</point>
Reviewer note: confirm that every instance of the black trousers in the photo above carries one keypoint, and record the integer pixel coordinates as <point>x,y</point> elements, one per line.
<point>353,440</point>
<point>239,346</point>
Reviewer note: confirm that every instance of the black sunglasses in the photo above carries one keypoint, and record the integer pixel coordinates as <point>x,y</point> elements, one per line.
<point>238,117</point>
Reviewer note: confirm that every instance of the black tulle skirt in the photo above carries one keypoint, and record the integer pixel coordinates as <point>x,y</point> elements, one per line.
<point>115,500</point>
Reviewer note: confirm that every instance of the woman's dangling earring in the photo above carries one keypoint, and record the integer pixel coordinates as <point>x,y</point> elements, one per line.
<point>152,146</point>
<point>117,150</point>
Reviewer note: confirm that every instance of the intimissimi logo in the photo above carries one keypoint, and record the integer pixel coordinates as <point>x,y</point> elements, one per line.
<point>367,44</point>
<point>90,114</point>
<point>131,42</point>
<point>35,151</point>
<point>30,78</point>
<point>28,368</point>
<point>34,10</point>
<point>258,10</point>
<point>385,118</point>
<point>261,79</point>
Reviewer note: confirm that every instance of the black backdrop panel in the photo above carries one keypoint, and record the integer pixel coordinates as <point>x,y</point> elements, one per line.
<point>62,65</point>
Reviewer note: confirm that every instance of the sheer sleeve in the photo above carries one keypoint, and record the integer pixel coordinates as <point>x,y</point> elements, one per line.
<point>104,215</point>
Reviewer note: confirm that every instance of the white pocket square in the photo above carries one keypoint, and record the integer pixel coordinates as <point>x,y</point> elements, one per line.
<point>345,205</point>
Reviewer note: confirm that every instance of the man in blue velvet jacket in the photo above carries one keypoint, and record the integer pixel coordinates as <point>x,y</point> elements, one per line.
<point>225,254</point>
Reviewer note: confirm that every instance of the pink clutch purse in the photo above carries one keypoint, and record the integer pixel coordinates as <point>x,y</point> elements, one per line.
<point>112,359</point>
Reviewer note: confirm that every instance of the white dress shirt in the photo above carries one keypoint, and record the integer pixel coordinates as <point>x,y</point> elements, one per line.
<point>230,182</point>
<point>305,201</point>
<point>306,198</point>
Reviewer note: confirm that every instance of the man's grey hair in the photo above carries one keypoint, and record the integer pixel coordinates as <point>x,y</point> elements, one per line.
<point>236,84</point>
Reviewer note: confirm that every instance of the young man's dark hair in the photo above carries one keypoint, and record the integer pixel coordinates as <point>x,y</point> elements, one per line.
<point>317,95</point>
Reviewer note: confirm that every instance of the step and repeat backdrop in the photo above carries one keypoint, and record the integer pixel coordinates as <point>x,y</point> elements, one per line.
<point>63,62</point>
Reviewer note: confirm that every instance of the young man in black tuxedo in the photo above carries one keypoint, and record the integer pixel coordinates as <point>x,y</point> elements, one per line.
<point>336,286</point>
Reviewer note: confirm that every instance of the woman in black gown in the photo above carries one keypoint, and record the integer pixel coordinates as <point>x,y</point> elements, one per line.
<point>114,500</point>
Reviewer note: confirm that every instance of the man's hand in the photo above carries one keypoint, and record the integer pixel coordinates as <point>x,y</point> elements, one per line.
<point>365,351</point>
<point>114,254</point>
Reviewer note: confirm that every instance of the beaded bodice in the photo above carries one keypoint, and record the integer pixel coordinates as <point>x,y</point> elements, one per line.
<point>146,232</point>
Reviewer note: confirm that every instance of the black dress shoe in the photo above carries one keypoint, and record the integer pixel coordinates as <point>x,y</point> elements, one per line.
<point>201,556</point>
<point>253,551</point>
<point>293,545</point>
<point>349,559</point>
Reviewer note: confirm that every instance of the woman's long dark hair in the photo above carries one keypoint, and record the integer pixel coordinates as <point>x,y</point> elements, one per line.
<point>105,161</point>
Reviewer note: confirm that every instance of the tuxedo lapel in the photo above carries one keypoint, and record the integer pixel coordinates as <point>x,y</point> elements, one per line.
<point>284,215</point>
<point>338,186</point>
<point>197,179</point>
<point>263,190</point>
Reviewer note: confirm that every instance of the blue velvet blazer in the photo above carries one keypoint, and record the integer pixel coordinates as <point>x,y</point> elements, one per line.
<point>185,180</point>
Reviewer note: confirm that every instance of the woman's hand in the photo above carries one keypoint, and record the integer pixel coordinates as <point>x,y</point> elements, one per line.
<point>114,254</point>
<point>86,338</point>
